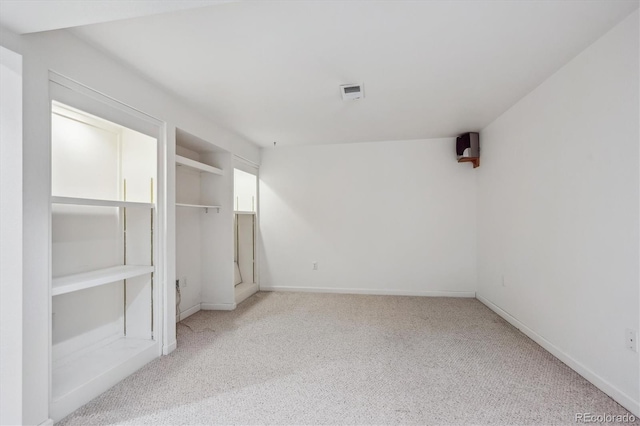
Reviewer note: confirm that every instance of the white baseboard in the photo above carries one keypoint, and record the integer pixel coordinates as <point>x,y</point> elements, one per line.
<point>244,291</point>
<point>48,422</point>
<point>167,349</point>
<point>217,306</point>
<point>379,292</point>
<point>188,312</point>
<point>622,398</point>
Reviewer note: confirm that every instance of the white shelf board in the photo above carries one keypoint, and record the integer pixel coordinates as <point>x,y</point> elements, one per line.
<point>75,282</point>
<point>100,203</point>
<point>197,166</point>
<point>197,206</point>
<point>89,374</point>
<point>243,212</point>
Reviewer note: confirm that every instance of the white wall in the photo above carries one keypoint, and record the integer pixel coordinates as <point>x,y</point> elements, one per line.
<point>69,56</point>
<point>217,265</point>
<point>558,213</point>
<point>381,217</point>
<point>11,241</point>
<point>188,259</point>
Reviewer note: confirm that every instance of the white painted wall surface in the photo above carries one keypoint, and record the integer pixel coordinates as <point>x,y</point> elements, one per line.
<point>71,57</point>
<point>381,217</point>
<point>217,259</point>
<point>188,259</point>
<point>558,212</point>
<point>11,240</point>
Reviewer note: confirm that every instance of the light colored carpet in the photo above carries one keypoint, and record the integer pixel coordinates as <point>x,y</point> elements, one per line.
<point>300,358</point>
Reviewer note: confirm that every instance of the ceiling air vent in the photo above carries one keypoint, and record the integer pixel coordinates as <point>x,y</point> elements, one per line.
<point>352,92</point>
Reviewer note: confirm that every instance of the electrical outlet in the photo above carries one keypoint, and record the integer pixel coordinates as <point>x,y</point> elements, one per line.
<point>183,282</point>
<point>504,283</point>
<point>315,265</point>
<point>632,340</point>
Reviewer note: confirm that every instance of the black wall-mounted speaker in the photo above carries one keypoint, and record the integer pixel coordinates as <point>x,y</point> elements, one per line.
<point>470,141</point>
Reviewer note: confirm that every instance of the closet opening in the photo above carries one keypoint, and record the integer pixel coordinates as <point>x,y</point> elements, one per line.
<point>106,270</point>
<point>245,195</point>
<point>203,223</point>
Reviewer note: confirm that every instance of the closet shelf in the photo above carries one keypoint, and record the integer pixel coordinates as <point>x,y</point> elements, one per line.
<point>197,166</point>
<point>198,206</point>
<point>100,203</point>
<point>72,375</point>
<point>243,212</point>
<point>84,280</point>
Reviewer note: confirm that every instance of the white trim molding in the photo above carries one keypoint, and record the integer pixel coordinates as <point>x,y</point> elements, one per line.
<point>218,306</point>
<point>378,292</point>
<point>11,244</point>
<point>622,398</point>
<point>188,312</point>
<point>167,349</point>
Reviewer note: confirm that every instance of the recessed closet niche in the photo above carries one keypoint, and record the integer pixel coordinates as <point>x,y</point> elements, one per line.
<point>204,226</point>
<point>104,263</point>
<point>245,186</point>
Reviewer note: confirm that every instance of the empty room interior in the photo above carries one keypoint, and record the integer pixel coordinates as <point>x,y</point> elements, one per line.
<point>319,212</point>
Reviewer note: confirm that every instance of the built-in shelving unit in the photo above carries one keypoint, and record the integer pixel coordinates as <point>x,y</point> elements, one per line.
<point>103,229</point>
<point>204,266</point>
<point>208,273</point>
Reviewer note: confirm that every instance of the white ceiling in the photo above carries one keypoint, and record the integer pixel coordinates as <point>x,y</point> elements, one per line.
<point>29,16</point>
<point>271,70</point>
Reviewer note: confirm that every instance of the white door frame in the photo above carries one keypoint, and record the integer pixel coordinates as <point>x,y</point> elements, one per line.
<point>11,261</point>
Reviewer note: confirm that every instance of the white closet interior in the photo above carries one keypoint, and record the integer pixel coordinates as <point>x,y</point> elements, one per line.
<point>207,223</point>
<point>245,186</point>
<point>204,225</point>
